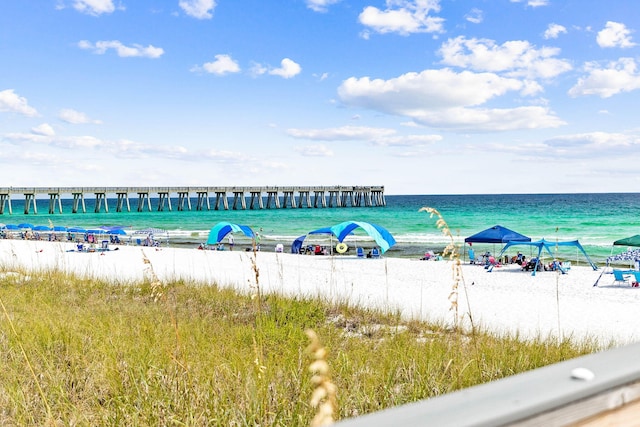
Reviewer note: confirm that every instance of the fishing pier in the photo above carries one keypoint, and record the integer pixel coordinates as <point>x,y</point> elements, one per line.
<point>204,198</point>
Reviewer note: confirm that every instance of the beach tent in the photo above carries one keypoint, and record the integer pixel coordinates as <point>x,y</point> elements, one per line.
<point>628,241</point>
<point>296,246</point>
<point>547,246</point>
<point>631,255</point>
<point>497,234</point>
<point>382,237</point>
<point>152,236</point>
<point>221,229</point>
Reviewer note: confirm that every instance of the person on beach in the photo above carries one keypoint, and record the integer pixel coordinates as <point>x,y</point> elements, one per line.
<point>231,241</point>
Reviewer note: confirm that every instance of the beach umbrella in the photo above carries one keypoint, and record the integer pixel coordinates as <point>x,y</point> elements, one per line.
<point>629,241</point>
<point>117,232</point>
<point>59,228</point>
<point>11,227</point>
<point>25,225</point>
<point>42,228</point>
<point>111,227</point>
<point>382,237</point>
<point>76,230</point>
<point>221,229</point>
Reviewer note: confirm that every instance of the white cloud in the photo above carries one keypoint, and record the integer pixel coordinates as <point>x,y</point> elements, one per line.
<point>135,50</point>
<point>445,99</point>
<point>553,31</point>
<point>10,102</point>
<point>429,89</point>
<point>75,117</point>
<point>593,144</point>
<point>408,140</point>
<point>44,129</point>
<point>320,5</point>
<point>288,69</point>
<point>589,145</point>
<point>533,3</point>
<point>516,58</point>
<point>199,9</point>
<point>223,64</point>
<point>403,17</point>
<point>257,69</point>
<point>341,133</point>
<point>615,34</point>
<point>376,136</point>
<point>619,76</point>
<point>474,16</point>
<point>50,139</point>
<point>489,119</point>
<point>319,150</point>
<point>94,7</point>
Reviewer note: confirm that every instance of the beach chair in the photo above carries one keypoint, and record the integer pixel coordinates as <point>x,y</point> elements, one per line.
<point>375,253</point>
<point>619,276</point>
<point>360,252</point>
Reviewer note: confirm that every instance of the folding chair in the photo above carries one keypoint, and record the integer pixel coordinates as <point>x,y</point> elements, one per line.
<point>620,276</point>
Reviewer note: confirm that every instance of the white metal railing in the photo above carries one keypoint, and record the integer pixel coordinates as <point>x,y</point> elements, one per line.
<point>562,394</point>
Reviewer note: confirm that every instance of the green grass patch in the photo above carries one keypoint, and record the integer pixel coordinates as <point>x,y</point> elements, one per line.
<point>78,352</point>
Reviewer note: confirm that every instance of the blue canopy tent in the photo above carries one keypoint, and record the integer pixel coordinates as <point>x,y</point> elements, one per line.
<point>547,246</point>
<point>296,246</point>
<point>497,234</point>
<point>221,229</point>
<point>382,237</point>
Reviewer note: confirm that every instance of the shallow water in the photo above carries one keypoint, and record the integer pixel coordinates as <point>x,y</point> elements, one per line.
<point>596,220</point>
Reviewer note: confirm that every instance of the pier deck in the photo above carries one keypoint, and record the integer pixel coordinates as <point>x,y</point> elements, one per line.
<point>206,198</point>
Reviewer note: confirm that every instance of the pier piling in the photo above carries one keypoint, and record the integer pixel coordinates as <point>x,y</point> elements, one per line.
<point>258,197</point>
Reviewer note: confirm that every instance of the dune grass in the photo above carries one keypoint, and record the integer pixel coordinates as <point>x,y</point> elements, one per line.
<point>79,352</point>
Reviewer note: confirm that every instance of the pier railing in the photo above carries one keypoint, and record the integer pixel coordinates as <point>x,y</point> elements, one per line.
<point>205,198</point>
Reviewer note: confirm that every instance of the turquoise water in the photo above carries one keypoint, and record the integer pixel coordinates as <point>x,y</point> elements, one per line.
<point>596,220</point>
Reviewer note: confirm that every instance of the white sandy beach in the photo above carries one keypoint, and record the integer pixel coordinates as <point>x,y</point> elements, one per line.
<point>506,300</point>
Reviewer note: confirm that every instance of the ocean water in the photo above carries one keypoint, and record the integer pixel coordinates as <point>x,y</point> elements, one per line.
<point>596,220</point>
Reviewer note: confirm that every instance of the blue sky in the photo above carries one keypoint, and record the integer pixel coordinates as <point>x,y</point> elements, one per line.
<point>421,96</point>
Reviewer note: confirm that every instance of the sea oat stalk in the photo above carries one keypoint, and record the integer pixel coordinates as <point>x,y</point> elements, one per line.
<point>323,397</point>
